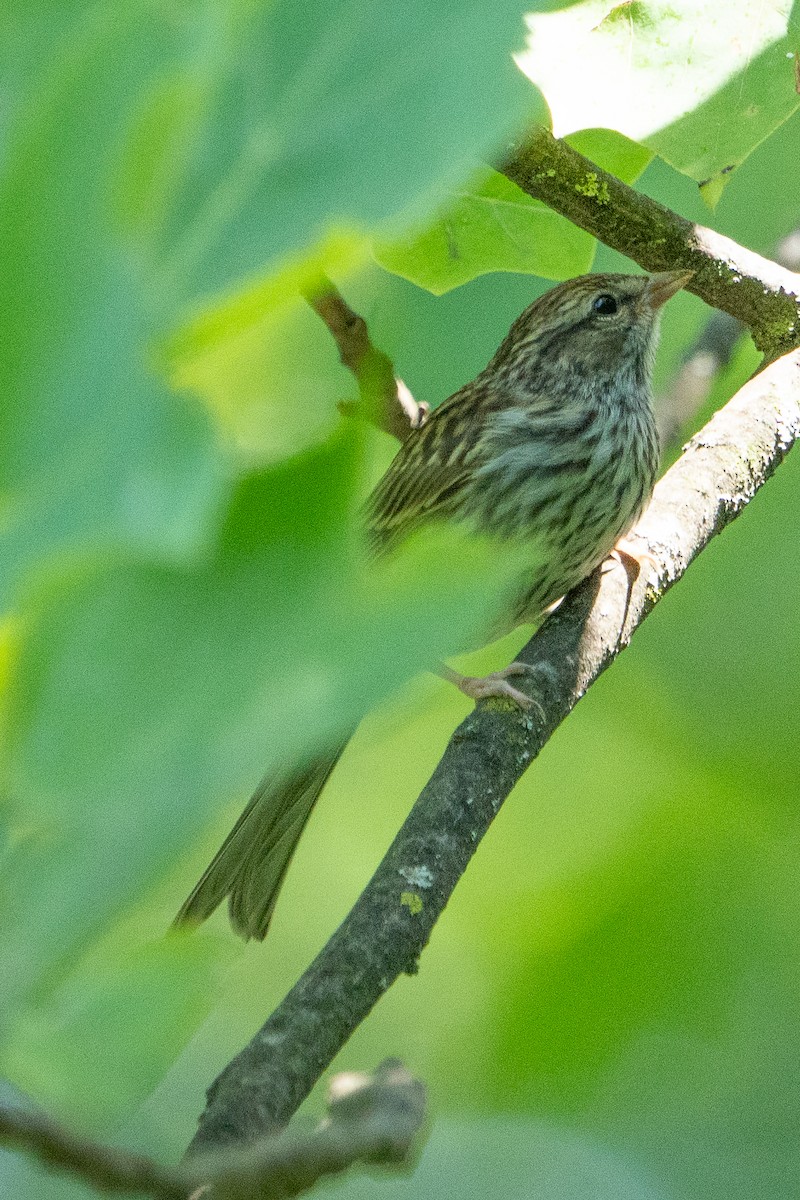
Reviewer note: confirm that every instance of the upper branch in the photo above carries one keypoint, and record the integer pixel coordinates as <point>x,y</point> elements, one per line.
<point>760,293</point>
<point>384,934</point>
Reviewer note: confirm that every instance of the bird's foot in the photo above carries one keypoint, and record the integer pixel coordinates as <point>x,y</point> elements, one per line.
<point>495,684</point>
<point>632,558</point>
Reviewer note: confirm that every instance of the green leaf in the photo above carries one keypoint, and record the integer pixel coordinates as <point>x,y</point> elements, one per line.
<point>495,226</point>
<point>492,227</point>
<point>265,364</point>
<point>700,84</point>
<point>145,696</point>
<point>94,453</point>
<point>613,152</point>
<point>102,1039</point>
<point>156,156</point>
<point>357,116</point>
<point>773,175</point>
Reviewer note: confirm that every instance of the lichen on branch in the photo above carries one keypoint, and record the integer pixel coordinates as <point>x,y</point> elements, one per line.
<point>760,293</point>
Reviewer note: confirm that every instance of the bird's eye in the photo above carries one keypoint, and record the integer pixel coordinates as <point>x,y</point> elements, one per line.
<point>605,305</point>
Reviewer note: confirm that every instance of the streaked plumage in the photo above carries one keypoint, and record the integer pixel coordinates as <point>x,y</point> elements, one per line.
<point>553,442</point>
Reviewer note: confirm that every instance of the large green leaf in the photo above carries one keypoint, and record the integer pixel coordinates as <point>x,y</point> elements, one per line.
<point>700,84</point>
<point>494,226</point>
<point>264,362</point>
<point>355,116</point>
<point>95,454</point>
<point>100,1041</point>
<point>143,696</point>
<point>157,156</point>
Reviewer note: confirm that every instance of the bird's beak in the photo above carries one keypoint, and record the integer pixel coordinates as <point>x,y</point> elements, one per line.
<point>660,287</point>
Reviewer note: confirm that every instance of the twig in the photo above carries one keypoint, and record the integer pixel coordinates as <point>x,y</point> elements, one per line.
<point>104,1168</point>
<point>692,384</point>
<point>384,934</point>
<point>709,354</point>
<point>760,293</point>
<point>385,400</point>
<point>371,1119</point>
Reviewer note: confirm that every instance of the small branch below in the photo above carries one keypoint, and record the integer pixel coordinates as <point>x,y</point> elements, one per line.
<point>105,1168</point>
<point>371,1119</point>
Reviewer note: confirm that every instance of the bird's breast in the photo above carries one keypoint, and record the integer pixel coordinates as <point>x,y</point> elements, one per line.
<point>572,481</point>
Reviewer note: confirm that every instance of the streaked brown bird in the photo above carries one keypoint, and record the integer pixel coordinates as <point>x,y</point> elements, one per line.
<point>553,443</point>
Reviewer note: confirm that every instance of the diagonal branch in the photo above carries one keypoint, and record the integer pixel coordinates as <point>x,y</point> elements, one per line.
<point>389,926</point>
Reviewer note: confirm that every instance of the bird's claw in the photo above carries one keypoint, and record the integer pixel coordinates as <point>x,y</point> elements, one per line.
<point>631,558</point>
<point>496,684</point>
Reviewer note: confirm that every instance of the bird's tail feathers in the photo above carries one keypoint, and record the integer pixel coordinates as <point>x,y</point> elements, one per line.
<point>251,864</point>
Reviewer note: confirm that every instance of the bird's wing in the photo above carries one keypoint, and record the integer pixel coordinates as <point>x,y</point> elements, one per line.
<point>423,481</point>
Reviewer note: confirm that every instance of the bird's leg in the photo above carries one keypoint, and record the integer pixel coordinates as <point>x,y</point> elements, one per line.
<point>494,684</point>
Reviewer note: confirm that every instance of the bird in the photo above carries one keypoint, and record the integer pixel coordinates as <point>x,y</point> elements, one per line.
<point>553,443</point>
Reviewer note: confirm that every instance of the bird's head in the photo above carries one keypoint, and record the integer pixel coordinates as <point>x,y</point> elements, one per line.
<point>598,325</point>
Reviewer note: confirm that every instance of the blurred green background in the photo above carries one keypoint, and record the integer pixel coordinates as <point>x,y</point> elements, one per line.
<point>609,1005</point>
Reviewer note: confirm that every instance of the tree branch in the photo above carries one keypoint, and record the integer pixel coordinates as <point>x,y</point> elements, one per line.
<point>390,924</point>
<point>371,1119</point>
<point>720,471</point>
<point>760,293</point>
<point>385,400</point>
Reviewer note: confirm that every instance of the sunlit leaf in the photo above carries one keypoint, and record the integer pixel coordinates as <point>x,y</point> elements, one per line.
<point>264,362</point>
<point>700,84</point>
<point>495,226</point>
